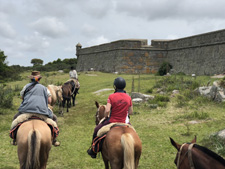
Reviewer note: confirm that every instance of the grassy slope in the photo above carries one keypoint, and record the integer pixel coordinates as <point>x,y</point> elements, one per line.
<point>154,126</point>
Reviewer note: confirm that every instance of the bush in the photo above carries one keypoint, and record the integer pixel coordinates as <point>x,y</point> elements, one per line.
<point>164,68</point>
<point>6,97</point>
<point>160,100</point>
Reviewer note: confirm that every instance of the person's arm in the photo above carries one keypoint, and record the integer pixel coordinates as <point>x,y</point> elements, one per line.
<point>22,92</point>
<point>108,109</point>
<point>130,110</point>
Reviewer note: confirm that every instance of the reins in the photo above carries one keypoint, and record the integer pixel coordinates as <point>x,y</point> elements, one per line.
<point>189,156</point>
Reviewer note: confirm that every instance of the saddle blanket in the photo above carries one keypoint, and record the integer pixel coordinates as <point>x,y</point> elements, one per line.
<point>28,116</point>
<point>107,127</point>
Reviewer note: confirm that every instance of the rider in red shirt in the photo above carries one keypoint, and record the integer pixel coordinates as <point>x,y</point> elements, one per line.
<point>119,106</point>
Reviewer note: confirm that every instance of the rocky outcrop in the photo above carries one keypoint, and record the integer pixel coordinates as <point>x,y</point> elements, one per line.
<point>214,92</point>
<point>139,97</point>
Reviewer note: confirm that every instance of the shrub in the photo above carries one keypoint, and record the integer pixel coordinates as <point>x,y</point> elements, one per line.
<point>164,68</point>
<point>6,97</point>
<point>160,100</point>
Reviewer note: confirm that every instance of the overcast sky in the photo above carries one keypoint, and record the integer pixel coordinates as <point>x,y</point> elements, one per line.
<point>50,29</point>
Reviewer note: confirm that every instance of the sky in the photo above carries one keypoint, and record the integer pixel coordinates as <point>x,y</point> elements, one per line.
<point>51,29</point>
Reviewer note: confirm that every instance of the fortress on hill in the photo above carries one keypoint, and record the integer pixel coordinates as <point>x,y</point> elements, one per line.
<point>202,54</point>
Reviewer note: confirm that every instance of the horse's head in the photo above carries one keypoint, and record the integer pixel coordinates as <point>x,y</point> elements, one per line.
<point>181,159</point>
<point>101,112</point>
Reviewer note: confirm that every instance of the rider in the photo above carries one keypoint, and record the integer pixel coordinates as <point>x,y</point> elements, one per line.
<point>119,106</point>
<point>36,98</point>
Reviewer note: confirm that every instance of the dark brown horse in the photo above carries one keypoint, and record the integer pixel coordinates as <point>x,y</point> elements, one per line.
<point>122,146</point>
<point>69,91</point>
<point>34,141</point>
<point>193,156</point>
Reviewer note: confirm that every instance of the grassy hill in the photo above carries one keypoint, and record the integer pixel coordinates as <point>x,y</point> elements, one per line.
<point>153,125</point>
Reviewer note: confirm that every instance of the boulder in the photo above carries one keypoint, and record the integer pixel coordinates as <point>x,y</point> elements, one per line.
<point>144,97</point>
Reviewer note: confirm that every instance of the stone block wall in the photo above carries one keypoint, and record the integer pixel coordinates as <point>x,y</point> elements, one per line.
<point>201,54</point>
<point>125,56</point>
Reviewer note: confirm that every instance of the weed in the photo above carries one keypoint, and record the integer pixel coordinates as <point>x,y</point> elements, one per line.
<point>216,143</point>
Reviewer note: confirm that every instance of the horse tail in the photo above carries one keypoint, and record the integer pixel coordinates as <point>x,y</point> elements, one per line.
<point>127,142</point>
<point>33,154</point>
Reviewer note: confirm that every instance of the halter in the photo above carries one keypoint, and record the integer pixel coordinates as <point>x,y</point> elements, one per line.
<point>189,156</point>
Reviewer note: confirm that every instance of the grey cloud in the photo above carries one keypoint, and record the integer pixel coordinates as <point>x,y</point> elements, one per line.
<point>6,30</point>
<point>185,9</point>
<point>97,8</point>
<point>50,26</point>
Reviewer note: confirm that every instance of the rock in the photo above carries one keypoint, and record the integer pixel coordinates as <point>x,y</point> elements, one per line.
<point>144,97</point>
<point>222,134</point>
<point>204,91</point>
<point>217,92</point>
<point>60,71</point>
<point>137,100</point>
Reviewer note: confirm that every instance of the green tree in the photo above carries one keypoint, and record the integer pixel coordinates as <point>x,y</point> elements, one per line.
<point>36,62</point>
<point>3,65</point>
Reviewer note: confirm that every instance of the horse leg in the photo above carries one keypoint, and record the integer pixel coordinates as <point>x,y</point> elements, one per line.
<point>68,104</point>
<point>73,98</point>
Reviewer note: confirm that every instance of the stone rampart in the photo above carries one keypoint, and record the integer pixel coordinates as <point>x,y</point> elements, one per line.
<point>202,54</point>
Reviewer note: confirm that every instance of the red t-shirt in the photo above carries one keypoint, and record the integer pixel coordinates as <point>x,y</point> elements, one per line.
<point>120,103</point>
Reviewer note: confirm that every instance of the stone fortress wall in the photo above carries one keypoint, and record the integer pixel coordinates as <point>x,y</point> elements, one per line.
<point>202,54</point>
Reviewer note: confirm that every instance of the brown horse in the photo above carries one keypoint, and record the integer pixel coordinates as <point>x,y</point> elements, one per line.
<point>69,90</point>
<point>34,141</point>
<point>122,146</point>
<point>193,156</point>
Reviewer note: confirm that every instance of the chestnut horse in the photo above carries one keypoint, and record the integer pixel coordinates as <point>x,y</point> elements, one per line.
<point>122,146</point>
<point>34,141</point>
<point>193,156</point>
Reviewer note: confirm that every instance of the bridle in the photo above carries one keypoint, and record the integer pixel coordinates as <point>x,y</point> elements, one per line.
<point>179,161</point>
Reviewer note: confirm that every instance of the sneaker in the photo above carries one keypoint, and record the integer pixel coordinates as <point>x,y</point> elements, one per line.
<point>91,153</point>
<point>55,143</point>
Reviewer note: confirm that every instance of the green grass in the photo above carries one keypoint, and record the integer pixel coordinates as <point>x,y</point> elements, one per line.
<point>154,126</point>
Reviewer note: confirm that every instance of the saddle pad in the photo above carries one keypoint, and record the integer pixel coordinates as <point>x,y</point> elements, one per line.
<point>26,116</point>
<point>107,127</point>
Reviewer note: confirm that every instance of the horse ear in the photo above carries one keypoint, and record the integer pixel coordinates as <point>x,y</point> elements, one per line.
<point>176,145</point>
<point>194,140</point>
<point>97,104</point>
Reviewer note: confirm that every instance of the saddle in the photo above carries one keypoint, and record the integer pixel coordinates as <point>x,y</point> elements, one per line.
<point>98,141</point>
<point>30,116</point>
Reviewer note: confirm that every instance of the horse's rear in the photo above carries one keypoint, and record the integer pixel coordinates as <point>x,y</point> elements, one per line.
<point>121,148</point>
<point>34,142</point>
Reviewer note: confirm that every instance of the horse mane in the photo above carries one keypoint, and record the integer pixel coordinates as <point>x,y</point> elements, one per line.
<point>210,153</point>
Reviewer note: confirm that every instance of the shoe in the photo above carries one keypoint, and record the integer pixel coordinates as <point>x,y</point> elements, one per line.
<point>13,143</point>
<point>56,143</point>
<point>91,153</point>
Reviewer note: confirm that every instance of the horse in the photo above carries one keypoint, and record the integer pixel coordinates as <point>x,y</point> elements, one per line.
<point>56,95</point>
<point>34,141</point>
<point>191,156</point>
<point>121,147</point>
<point>69,90</point>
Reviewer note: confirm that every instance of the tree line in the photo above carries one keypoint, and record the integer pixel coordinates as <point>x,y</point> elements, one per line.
<point>9,73</point>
